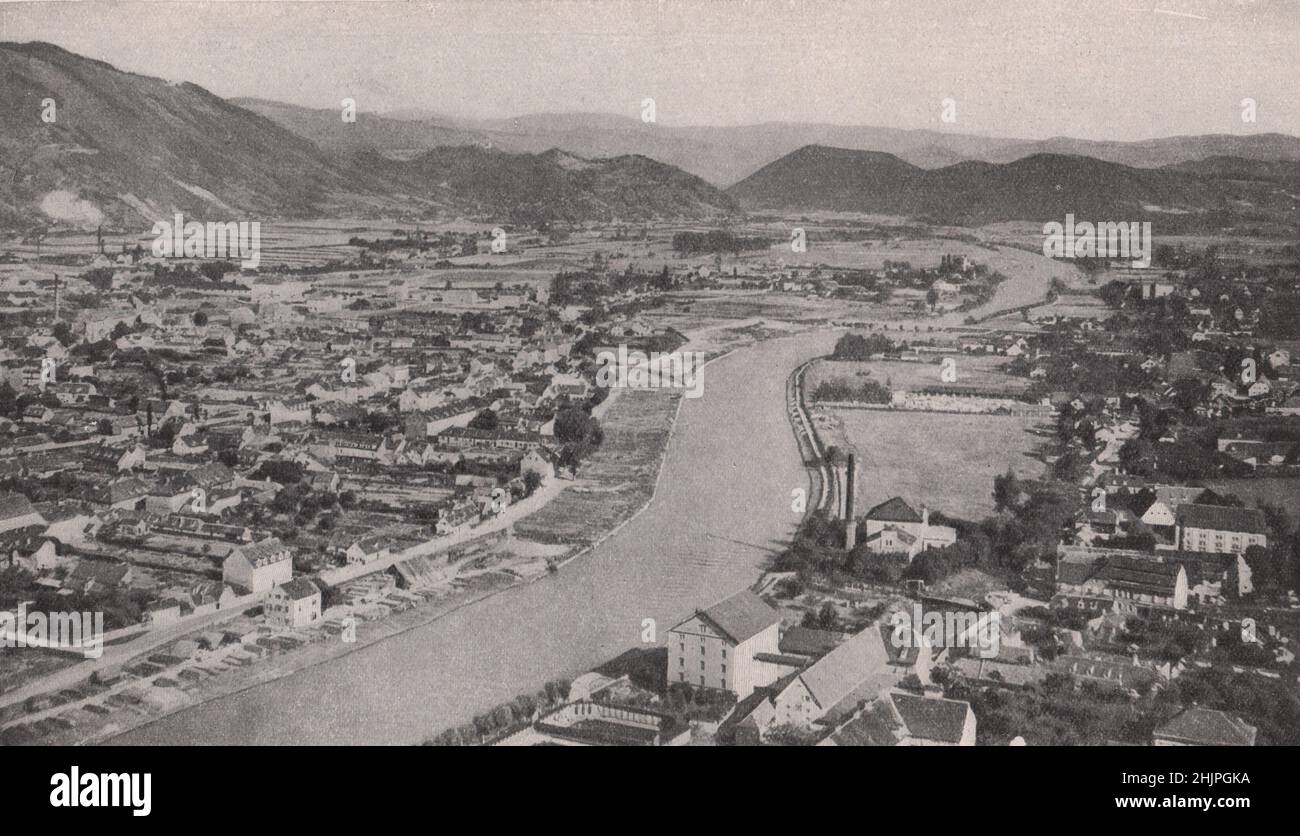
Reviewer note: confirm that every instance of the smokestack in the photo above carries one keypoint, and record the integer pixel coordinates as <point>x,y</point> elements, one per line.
<point>851,504</point>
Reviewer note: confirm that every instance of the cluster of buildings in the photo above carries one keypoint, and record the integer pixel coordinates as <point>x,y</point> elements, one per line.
<point>201,443</point>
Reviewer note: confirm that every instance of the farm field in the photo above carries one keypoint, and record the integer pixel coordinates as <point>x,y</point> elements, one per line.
<point>941,460</point>
<point>971,370</point>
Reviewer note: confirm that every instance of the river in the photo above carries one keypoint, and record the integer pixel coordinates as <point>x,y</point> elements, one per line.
<point>722,509</point>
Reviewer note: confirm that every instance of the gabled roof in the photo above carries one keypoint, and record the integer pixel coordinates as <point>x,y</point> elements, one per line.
<point>15,505</point>
<point>99,571</point>
<point>834,676</point>
<point>1222,518</point>
<point>741,617</point>
<point>269,551</point>
<point>299,588</point>
<point>1141,575</point>
<point>902,535</point>
<point>807,641</point>
<point>1074,572</point>
<point>932,719</point>
<point>1208,727</point>
<point>877,725</point>
<point>894,510</point>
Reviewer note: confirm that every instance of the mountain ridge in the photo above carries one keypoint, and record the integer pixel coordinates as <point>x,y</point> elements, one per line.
<point>1043,186</point>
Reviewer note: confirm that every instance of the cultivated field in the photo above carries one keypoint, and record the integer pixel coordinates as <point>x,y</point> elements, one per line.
<point>941,460</point>
<point>900,375</point>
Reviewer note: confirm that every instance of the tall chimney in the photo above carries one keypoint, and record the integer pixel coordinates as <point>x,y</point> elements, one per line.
<point>851,504</point>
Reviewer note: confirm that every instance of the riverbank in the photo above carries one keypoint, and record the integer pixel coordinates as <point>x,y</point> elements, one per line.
<point>685,549</point>
<point>315,652</point>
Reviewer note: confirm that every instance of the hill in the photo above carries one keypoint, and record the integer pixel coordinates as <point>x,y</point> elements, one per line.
<point>125,147</point>
<point>1214,193</point>
<point>725,155</point>
<point>125,150</point>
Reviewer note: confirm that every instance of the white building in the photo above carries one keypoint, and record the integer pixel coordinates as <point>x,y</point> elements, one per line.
<point>717,647</point>
<point>259,567</point>
<point>294,604</point>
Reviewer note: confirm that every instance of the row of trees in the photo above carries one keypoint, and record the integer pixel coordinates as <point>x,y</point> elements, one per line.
<point>505,717</point>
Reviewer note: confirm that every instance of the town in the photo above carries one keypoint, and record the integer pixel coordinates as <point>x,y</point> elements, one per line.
<point>416,381</point>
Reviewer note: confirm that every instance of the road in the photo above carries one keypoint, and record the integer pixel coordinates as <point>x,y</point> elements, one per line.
<point>722,510</point>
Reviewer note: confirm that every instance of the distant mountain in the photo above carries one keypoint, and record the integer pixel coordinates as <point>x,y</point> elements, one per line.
<point>1154,153</point>
<point>725,155</point>
<point>1236,168</point>
<point>393,135</point>
<point>1217,193</point>
<point>124,148</point>
<point>497,168</point>
<point>554,185</point>
<point>721,156</point>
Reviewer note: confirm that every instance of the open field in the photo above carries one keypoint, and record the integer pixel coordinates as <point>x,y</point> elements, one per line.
<point>941,460</point>
<point>982,370</point>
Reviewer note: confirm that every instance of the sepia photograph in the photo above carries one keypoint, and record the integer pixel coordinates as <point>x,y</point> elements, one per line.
<point>649,373</point>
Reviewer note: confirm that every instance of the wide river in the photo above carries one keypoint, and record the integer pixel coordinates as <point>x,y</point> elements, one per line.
<point>723,507</point>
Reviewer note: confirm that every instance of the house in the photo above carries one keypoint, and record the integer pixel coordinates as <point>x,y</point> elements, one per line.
<point>294,604</point>
<point>163,613</point>
<point>324,481</point>
<point>1129,675</point>
<point>287,410</point>
<point>539,460</point>
<point>1219,528</point>
<point>123,494</point>
<point>370,447</point>
<point>258,567</point>
<point>112,459</point>
<point>894,527</point>
<point>899,718</point>
<point>716,647</point>
<point>1204,727</point>
<point>35,554</point>
<point>369,550</point>
<point>833,687</point>
<point>98,576</point>
<point>16,511</point>
<point>197,488</point>
<point>71,394</point>
<point>1140,583</point>
<point>210,596</point>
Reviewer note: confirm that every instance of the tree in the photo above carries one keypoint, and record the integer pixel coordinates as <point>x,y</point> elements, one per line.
<point>485,420</point>
<point>200,318</point>
<point>573,425</point>
<point>1263,568</point>
<point>215,270</point>
<point>932,298</point>
<point>824,619</point>
<point>1006,491</point>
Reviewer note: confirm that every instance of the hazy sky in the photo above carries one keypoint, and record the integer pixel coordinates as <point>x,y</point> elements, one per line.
<point>1101,69</point>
